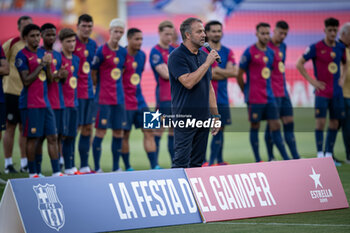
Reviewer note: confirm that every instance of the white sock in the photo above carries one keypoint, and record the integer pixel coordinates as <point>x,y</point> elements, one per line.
<point>8,161</point>
<point>320,154</point>
<point>61,160</point>
<point>328,154</point>
<point>24,162</point>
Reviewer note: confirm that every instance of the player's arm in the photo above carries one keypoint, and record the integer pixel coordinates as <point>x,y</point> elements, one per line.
<point>163,71</point>
<point>4,67</point>
<point>47,59</point>
<point>229,72</point>
<point>240,80</point>
<point>301,68</point>
<point>213,107</point>
<point>28,78</point>
<point>189,80</point>
<point>94,77</point>
<point>344,71</point>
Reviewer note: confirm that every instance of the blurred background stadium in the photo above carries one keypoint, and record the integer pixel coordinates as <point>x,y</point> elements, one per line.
<point>240,17</point>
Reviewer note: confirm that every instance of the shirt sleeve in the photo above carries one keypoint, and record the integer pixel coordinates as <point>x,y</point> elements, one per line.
<point>310,52</point>
<point>21,62</point>
<point>343,59</point>
<point>59,61</point>
<point>2,54</point>
<point>98,59</point>
<point>155,58</point>
<point>178,66</point>
<point>144,61</point>
<point>231,57</point>
<point>245,59</point>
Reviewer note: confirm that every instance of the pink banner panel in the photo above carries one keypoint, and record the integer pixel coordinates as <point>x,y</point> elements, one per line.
<point>264,189</point>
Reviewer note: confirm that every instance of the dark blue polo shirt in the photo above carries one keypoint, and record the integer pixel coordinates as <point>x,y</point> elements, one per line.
<point>195,101</point>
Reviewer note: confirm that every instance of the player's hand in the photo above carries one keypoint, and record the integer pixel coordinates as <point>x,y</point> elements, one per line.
<point>47,59</point>
<point>341,82</point>
<point>212,56</point>
<point>62,73</point>
<point>215,130</point>
<point>320,86</point>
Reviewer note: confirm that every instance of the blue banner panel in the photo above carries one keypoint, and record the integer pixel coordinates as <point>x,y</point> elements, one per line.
<point>105,202</point>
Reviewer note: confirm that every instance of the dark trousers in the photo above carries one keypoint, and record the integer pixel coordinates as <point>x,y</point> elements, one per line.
<point>346,127</point>
<point>190,147</point>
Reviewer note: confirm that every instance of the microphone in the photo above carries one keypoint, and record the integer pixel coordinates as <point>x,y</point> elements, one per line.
<point>207,46</point>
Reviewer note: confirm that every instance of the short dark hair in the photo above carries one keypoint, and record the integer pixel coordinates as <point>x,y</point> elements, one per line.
<point>262,24</point>
<point>85,18</point>
<point>331,22</point>
<point>24,17</point>
<point>131,32</point>
<point>66,33</point>
<point>211,23</point>
<point>28,28</point>
<point>186,26</point>
<point>47,26</point>
<point>282,24</point>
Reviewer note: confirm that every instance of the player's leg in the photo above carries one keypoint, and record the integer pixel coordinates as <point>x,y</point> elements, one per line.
<point>215,146</point>
<point>171,143</point>
<point>321,105</point>
<point>101,127</point>
<point>117,119</point>
<point>255,114</point>
<point>126,151</point>
<point>346,129</point>
<point>336,113</point>
<point>225,113</point>
<point>286,114</point>
<point>12,119</point>
<point>39,155</point>
<point>150,148</point>
<point>86,114</point>
<point>51,135</point>
<point>269,143</point>
<point>272,117</point>
<point>2,122</point>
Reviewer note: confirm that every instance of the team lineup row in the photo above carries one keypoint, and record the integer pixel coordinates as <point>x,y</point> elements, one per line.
<point>85,84</point>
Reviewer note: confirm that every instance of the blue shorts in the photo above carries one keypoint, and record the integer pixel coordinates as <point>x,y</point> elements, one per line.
<point>134,117</point>
<point>165,107</point>
<point>259,112</point>
<point>38,122</point>
<point>284,105</point>
<point>110,116</point>
<point>224,111</point>
<point>60,120</point>
<point>71,122</point>
<point>86,111</point>
<point>2,116</point>
<point>334,105</point>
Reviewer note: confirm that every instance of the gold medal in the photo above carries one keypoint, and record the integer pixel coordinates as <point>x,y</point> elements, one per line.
<point>104,121</point>
<point>135,79</point>
<point>116,60</point>
<point>38,60</point>
<point>54,62</point>
<point>332,68</point>
<point>333,55</point>
<point>280,54</point>
<point>86,53</point>
<point>265,59</point>
<point>115,73</point>
<point>86,67</point>
<point>72,69</point>
<point>265,73</point>
<point>281,67</point>
<point>134,65</point>
<point>42,76</point>
<point>73,82</point>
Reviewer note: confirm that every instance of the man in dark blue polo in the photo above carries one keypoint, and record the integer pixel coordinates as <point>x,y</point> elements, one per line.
<point>192,95</point>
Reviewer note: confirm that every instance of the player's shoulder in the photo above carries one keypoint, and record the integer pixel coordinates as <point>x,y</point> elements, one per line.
<point>141,53</point>
<point>122,50</point>
<point>155,49</point>
<point>225,49</point>
<point>92,42</point>
<point>56,54</point>
<point>340,45</point>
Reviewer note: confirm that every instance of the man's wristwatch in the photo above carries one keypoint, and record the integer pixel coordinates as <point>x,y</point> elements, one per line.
<point>216,116</point>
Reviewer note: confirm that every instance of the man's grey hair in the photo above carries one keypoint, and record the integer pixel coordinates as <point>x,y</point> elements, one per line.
<point>186,26</point>
<point>345,29</point>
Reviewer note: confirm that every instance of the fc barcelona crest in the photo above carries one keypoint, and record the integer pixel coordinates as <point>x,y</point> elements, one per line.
<point>50,207</point>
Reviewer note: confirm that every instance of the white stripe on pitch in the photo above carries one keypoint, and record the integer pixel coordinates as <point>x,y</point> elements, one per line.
<point>282,224</point>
